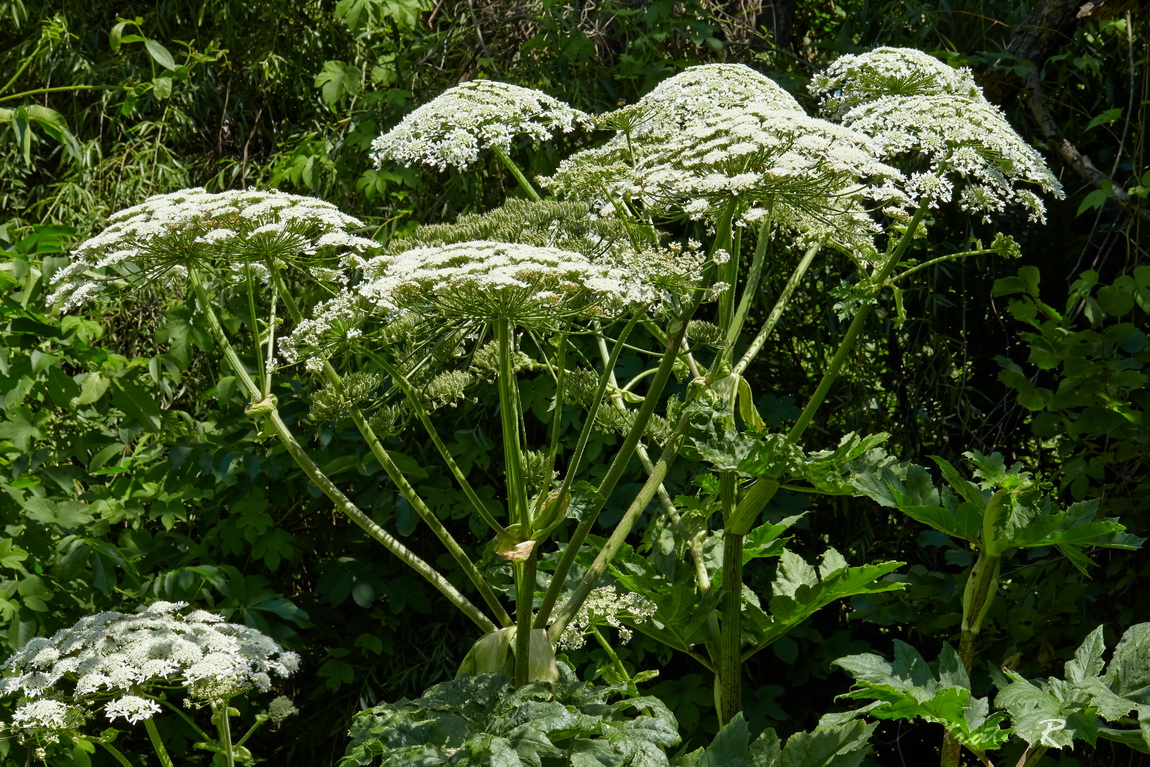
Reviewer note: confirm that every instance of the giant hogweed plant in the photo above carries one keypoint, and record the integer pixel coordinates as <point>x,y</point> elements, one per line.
<point>699,185</point>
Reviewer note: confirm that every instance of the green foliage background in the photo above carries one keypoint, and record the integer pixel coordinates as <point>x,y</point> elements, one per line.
<point>129,473</point>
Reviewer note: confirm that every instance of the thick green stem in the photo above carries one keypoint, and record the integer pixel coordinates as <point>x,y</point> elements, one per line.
<point>1032,758</point>
<point>620,669</point>
<point>978,595</point>
<point>728,271</point>
<point>750,290</point>
<point>322,481</point>
<point>424,419</point>
<point>158,745</point>
<point>729,677</point>
<point>224,728</point>
<point>509,419</point>
<point>618,465</point>
<point>396,474</point>
<point>115,752</point>
<point>524,601</point>
<point>846,345</point>
<point>517,505</point>
<point>556,427</point>
<point>515,171</point>
<point>951,753</point>
<point>761,491</point>
<point>621,407</point>
<point>431,520</point>
<point>981,587</point>
<point>606,378</point>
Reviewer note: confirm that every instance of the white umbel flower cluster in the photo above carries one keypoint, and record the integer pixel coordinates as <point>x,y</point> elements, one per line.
<point>475,283</point>
<point>230,233</point>
<point>451,130</point>
<point>606,606</point>
<point>679,103</point>
<point>859,79</point>
<point>693,96</point>
<point>116,658</point>
<point>930,117</point>
<point>811,176</point>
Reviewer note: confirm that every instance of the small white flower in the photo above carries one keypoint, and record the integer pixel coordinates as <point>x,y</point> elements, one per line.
<point>132,708</point>
<point>44,714</point>
<point>124,654</point>
<point>281,708</point>
<point>922,113</point>
<point>606,606</point>
<point>689,98</point>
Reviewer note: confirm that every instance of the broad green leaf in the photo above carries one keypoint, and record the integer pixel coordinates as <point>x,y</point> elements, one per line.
<point>22,426</point>
<point>1039,717</point>
<point>764,540</point>
<point>138,404</point>
<point>1129,670</point>
<point>92,388</point>
<point>56,126</point>
<point>11,555</point>
<point>338,81</point>
<point>842,746</point>
<point>1087,660</point>
<point>908,689</point>
<point>800,591</point>
<point>64,514</point>
<point>1106,117</point>
<point>116,36</point>
<point>966,490</point>
<point>160,54</point>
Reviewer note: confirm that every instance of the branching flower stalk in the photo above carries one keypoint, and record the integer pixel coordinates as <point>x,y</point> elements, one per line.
<point>162,752</point>
<point>401,482</point>
<point>678,330</point>
<point>267,409</point>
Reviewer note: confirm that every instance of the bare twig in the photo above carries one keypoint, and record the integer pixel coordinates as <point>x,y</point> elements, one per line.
<point>1070,154</point>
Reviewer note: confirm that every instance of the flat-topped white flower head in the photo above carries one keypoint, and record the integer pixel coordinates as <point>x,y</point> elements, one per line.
<point>933,121</point>
<point>470,285</point>
<point>45,720</point>
<point>451,130</point>
<point>690,98</point>
<point>117,657</point>
<point>231,233</point>
<point>694,95</point>
<point>526,285</point>
<point>957,148</point>
<point>858,79</point>
<point>809,175</point>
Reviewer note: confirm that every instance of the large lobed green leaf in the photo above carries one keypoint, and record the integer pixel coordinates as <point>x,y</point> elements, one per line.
<point>907,688</point>
<point>838,745</point>
<point>485,720</point>
<point>1055,712</point>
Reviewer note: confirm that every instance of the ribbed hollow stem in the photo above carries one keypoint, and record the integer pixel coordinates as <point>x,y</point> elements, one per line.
<point>729,678</point>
